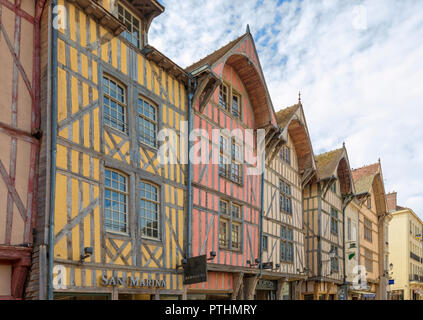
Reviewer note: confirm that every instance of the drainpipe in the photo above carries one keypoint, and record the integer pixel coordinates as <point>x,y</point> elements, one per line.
<point>53,89</point>
<point>189,218</point>
<point>262,214</point>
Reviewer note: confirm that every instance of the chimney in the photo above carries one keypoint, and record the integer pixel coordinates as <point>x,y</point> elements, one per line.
<point>391,199</point>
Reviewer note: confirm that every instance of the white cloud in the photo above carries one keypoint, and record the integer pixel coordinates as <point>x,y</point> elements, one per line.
<point>363,87</point>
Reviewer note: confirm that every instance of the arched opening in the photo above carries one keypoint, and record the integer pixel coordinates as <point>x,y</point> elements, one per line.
<point>255,87</point>
<point>344,176</point>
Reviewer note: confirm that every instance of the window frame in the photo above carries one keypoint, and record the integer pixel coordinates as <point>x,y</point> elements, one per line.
<point>145,118</point>
<point>285,193</point>
<point>133,15</point>
<point>231,221</point>
<point>287,242</point>
<point>124,104</point>
<point>368,230</point>
<point>126,194</point>
<point>334,221</point>
<point>159,211</point>
<point>236,94</point>
<point>334,261</point>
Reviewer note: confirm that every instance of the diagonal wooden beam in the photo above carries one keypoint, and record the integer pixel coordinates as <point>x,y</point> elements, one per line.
<point>17,62</point>
<point>82,214</point>
<point>12,191</point>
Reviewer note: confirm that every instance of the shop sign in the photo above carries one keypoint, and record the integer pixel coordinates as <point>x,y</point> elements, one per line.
<point>132,282</point>
<point>195,270</point>
<point>266,285</point>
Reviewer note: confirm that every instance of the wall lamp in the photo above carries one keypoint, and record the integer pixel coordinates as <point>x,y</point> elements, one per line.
<point>212,256</point>
<point>88,251</point>
<point>184,261</point>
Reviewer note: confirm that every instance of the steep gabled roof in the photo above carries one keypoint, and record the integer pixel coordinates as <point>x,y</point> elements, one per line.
<point>370,177</point>
<point>335,164</point>
<point>283,116</point>
<point>242,56</point>
<point>292,121</point>
<point>215,56</point>
<point>328,162</point>
<point>363,177</point>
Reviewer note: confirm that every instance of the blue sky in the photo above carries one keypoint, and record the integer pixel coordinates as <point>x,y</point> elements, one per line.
<point>358,64</point>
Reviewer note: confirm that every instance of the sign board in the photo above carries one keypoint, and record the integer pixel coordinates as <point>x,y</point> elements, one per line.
<point>195,271</point>
<point>266,285</point>
<point>391,281</point>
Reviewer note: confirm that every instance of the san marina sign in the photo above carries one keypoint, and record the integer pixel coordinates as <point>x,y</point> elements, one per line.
<point>132,282</point>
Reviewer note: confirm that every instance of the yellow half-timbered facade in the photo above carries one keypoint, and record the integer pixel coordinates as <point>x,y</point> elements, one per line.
<point>118,211</point>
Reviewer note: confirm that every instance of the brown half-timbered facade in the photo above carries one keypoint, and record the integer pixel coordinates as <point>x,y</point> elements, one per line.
<point>324,200</point>
<point>283,224</point>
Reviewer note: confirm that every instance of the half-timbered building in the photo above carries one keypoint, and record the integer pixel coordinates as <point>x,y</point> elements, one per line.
<point>325,198</point>
<point>373,223</point>
<point>226,210</point>
<point>283,225</point>
<point>114,213</point>
<point>19,140</point>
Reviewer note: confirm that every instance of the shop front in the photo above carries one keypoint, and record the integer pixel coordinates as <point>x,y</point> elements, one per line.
<point>266,289</point>
<point>85,284</point>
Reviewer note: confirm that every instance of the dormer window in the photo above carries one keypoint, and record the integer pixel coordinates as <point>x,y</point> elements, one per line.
<point>133,25</point>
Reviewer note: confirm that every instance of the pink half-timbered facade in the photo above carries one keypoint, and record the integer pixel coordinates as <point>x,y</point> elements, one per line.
<point>226,216</point>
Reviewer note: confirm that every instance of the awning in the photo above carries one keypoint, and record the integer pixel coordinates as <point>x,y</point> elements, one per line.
<point>418,291</point>
<point>365,294</point>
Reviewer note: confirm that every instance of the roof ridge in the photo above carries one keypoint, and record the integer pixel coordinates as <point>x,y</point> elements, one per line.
<point>365,166</point>
<point>226,46</point>
<point>321,154</point>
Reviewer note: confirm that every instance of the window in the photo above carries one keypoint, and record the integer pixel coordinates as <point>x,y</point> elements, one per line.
<point>114,105</point>
<point>236,167</point>
<point>115,201</point>
<point>236,211</point>
<point>285,198</point>
<point>369,203</point>
<point>368,260</point>
<point>133,25</point>
<point>149,210</point>
<point>354,231</point>
<point>236,105</point>
<point>333,187</point>
<point>223,96</point>
<point>334,261</point>
<point>223,234</point>
<point>223,159</point>
<point>334,221</point>
<point>349,229</point>
<point>236,239</point>
<point>287,245</point>
<point>285,154</point>
<point>230,225</point>
<point>265,243</point>
<point>231,170</point>
<point>367,229</point>
<point>147,122</point>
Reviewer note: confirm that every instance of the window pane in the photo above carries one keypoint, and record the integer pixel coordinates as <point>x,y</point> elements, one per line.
<point>149,210</point>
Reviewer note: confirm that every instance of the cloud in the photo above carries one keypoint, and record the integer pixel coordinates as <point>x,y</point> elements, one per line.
<point>358,64</point>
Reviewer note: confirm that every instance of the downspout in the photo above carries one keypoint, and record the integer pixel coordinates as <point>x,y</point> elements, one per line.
<point>262,215</point>
<point>189,218</point>
<point>53,150</point>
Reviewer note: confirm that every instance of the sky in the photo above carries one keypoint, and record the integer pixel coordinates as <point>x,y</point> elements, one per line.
<point>358,65</point>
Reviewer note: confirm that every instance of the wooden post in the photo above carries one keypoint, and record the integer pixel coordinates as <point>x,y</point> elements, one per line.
<point>279,291</point>
<point>238,277</point>
<point>250,287</point>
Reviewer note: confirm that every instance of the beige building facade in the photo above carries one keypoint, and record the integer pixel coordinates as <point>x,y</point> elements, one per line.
<point>406,252</point>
